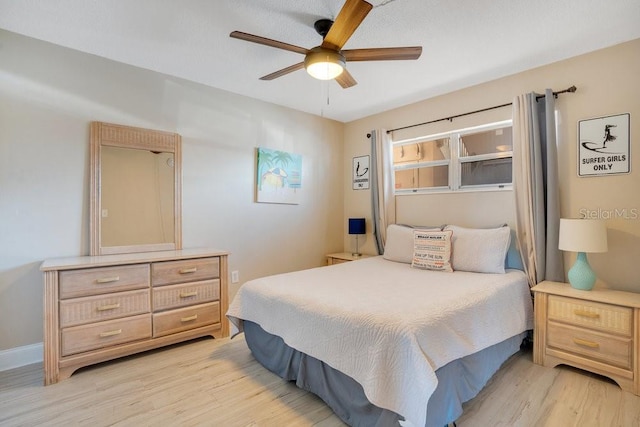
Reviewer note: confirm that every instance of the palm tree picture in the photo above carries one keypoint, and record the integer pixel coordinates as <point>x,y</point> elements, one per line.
<point>279,176</point>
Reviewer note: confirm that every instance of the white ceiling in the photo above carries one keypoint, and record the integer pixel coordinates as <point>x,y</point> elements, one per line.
<point>465,42</point>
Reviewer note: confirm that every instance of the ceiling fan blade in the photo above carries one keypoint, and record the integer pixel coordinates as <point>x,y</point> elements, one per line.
<point>346,80</point>
<point>284,71</point>
<point>349,18</point>
<point>267,42</point>
<point>383,53</point>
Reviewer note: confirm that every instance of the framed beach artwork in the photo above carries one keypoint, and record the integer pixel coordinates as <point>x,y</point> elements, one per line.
<point>279,176</point>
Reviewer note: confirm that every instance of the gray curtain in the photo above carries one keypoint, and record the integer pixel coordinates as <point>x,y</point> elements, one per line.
<point>535,182</point>
<point>383,204</point>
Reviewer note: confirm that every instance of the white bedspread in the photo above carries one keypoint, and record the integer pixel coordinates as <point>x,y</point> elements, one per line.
<point>385,324</point>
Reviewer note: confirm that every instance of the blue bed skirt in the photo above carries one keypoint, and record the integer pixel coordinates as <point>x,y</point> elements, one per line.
<point>458,381</point>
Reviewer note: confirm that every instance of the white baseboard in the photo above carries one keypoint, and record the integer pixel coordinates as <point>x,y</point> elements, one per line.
<point>21,356</point>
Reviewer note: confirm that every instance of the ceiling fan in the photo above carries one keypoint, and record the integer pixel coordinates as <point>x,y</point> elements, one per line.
<point>328,61</point>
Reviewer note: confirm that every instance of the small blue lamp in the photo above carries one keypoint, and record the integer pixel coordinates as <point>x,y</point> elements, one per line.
<point>357,226</point>
<point>582,236</point>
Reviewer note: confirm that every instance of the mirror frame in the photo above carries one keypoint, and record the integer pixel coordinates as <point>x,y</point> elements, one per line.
<point>107,134</point>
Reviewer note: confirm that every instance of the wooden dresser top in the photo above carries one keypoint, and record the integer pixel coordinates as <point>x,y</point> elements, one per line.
<point>70,263</point>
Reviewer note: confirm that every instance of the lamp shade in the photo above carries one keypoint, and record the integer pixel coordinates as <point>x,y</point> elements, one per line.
<point>582,235</point>
<point>324,64</point>
<point>357,226</point>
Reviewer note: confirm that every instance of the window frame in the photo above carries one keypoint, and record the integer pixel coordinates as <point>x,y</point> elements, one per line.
<point>455,161</point>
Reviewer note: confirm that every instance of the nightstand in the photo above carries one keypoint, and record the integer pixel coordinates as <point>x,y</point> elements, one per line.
<point>341,257</point>
<point>597,330</point>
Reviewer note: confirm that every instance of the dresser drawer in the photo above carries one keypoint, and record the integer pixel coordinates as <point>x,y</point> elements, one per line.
<point>594,315</point>
<point>591,344</point>
<point>174,296</point>
<point>78,311</point>
<point>190,270</point>
<point>78,339</point>
<point>182,319</point>
<point>95,281</point>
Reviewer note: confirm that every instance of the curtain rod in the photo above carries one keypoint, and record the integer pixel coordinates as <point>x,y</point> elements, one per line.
<point>450,118</point>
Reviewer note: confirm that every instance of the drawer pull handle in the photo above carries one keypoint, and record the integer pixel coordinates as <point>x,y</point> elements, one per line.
<point>188,294</point>
<point>110,333</point>
<point>190,318</point>
<point>188,270</point>
<point>108,279</point>
<point>584,313</point>
<point>109,307</point>
<point>586,343</point>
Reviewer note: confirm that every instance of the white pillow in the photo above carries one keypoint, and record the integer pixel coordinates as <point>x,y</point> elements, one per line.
<point>432,250</point>
<point>398,246</point>
<point>480,250</point>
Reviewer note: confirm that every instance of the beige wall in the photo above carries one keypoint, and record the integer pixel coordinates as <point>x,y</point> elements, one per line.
<point>607,82</point>
<point>48,96</point>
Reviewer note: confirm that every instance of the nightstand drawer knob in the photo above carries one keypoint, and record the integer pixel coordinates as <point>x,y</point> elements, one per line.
<point>586,343</point>
<point>188,294</point>
<point>188,270</point>
<point>584,313</point>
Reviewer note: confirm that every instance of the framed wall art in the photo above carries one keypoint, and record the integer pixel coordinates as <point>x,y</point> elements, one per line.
<point>279,176</point>
<point>604,146</point>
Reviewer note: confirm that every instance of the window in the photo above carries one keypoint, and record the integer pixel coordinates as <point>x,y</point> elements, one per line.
<point>467,159</point>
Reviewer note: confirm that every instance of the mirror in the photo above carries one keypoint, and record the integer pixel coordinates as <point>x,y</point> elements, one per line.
<point>136,177</point>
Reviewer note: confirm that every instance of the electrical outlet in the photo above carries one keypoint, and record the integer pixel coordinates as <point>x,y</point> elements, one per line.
<point>235,276</point>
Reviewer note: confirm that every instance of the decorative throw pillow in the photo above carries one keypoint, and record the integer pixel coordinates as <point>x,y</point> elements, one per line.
<point>432,250</point>
<point>480,250</point>
<point>398,246</point>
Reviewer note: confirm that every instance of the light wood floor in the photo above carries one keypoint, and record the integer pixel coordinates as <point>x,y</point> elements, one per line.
<point>218,383</point>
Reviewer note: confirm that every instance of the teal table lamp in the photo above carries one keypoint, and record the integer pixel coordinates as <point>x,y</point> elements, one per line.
<point>582,236</point>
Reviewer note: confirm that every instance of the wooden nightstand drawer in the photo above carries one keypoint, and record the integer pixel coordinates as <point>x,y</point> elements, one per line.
<point>96,281</point>
<point>594,345</point>
<point>182,319</point>
<point>173,296</point>
<point>78,311</point>
<point>170,272</point>
<point>594,315</point>
<point>83,338</point>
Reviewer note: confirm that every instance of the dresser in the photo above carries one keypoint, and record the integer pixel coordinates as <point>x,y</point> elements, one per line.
<point>98,308</point>
<point>597,330</point>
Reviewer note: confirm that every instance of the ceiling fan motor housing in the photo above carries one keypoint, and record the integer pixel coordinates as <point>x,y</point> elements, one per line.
<point>323,26</point>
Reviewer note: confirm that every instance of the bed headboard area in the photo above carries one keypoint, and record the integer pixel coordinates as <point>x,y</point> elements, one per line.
<point>480,209</point>
<point>485,209</point>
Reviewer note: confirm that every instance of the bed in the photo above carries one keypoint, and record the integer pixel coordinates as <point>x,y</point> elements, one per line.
<point>388,342</point>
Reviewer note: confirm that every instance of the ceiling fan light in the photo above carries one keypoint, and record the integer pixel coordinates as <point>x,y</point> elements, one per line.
<point>324,64</point>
